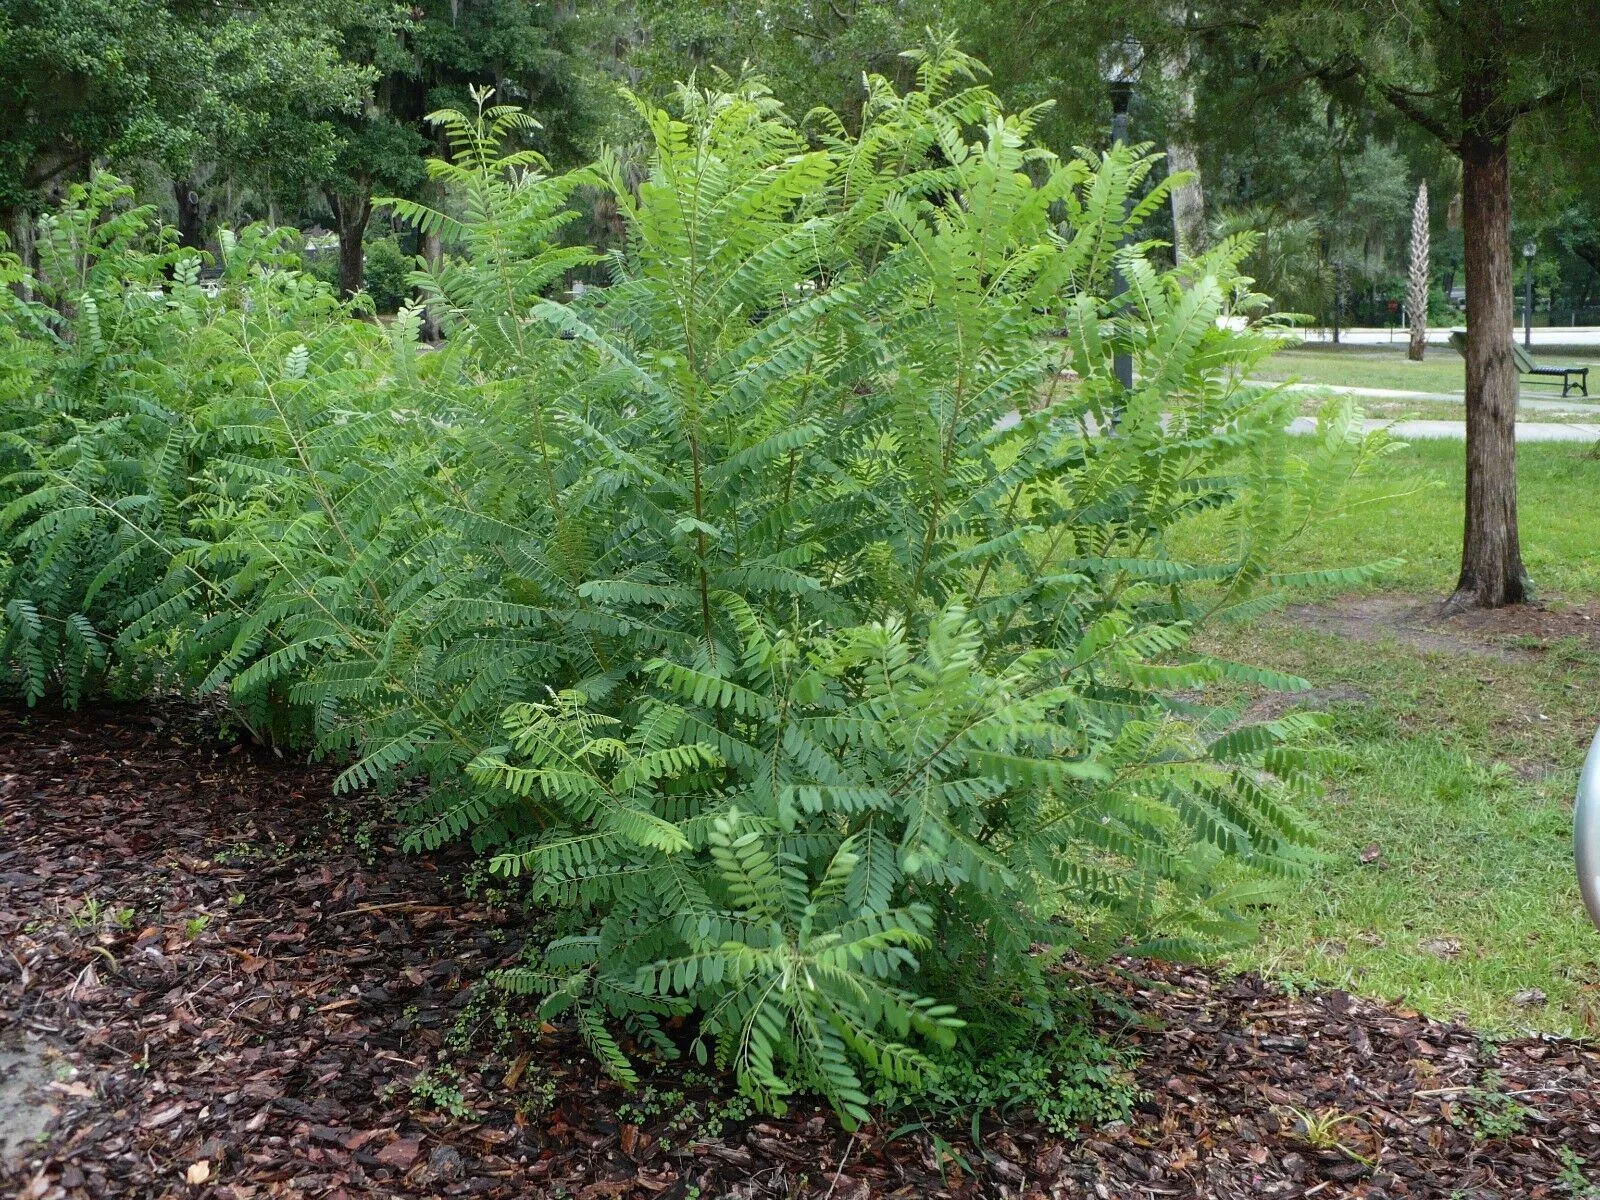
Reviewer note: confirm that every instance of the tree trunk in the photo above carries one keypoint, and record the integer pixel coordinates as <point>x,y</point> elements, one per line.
<point>1491,555</point>
<point>1188,202</point>
<point>433,251</point>
<point>351,212</point>
<point>1188,199</point>
<point>16,223</point>
<point>1338,298</point>
<point>1417,285</point>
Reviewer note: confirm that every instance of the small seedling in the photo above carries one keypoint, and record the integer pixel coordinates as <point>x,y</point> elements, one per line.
<point>195,926</point>
<point>1572,1179</point>
<point>1319,1130</point>
<point>1491,1112</point>
<point>535,1097</point>
<point>89,915</point>
<point>440,1088</point>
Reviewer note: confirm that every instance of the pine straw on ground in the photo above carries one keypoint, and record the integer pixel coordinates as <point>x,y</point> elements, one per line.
<point>253,1026</point>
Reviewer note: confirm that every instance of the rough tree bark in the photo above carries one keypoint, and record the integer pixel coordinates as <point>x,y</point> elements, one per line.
<point>1188,202</point>
<point>1188,199</point>
<point>351,211</point>
<point>1491,555</point>
<point>1417,285</point>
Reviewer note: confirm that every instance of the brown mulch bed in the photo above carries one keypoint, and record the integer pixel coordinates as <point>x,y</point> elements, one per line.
<point>253,1025</point>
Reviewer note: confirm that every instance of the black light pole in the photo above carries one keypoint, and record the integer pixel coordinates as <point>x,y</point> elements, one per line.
<point>1121,95</point>
<point>1529,249</point>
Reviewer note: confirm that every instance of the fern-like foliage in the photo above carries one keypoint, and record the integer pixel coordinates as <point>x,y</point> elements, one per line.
<point>784,614</point>
<point>106,360</point>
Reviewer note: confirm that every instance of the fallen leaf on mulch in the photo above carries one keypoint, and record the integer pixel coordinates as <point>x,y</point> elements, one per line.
<point>401,1153</point>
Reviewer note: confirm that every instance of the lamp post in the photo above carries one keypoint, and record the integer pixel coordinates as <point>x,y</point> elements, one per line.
<point>1529,249</point>
<point>1119,72</point>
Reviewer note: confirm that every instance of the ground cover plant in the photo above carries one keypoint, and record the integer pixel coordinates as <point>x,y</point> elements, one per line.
<point>778,618</point>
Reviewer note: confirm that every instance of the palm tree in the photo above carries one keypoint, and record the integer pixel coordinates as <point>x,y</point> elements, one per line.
<point>1417,286</point>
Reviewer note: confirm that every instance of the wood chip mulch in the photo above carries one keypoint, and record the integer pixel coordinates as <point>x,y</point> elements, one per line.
<point>229,982</point>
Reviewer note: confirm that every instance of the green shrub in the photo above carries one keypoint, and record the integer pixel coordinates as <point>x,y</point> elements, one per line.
<point>387,267</point>
<point>781,614</point>
<point>101,370</point>
<point>322,265</point>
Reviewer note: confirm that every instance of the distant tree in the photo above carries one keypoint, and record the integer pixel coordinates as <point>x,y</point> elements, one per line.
<point>527,51</point>
<point>183,83</point>
<point>811,54</point>
<point>267,106</point>
<point>81,79</point>
<point>377,155</point>
<point>1468,73</point>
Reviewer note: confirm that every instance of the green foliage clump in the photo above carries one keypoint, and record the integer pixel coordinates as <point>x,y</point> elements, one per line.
<point>109,354</point>
<point>1067,1079</point>
<point>387,268</point>
<point>785,615</point>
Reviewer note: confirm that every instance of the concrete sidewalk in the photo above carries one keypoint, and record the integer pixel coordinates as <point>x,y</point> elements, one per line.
<point>1410,431</point>
<point>1574,404</point>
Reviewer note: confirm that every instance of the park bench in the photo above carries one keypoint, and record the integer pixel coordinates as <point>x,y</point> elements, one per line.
<point>1526,365</point>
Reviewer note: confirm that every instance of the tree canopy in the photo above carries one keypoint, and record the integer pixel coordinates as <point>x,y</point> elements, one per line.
<point>306,113</point>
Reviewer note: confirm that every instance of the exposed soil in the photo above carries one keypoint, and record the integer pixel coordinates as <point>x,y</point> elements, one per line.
<point>1511,634</point>
<point>1533,627</point>
<point>1272,705</point>
<point>231,991</point>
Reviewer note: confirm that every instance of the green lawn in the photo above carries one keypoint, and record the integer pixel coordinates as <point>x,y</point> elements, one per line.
<point>1460,773</point>
<point>1388,367</point>
<point>1461,769</point>
<point>1411,507</point>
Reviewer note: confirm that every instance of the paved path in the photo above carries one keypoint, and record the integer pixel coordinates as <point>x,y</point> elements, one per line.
<point>1576,404</point>
<point>1411,431</point>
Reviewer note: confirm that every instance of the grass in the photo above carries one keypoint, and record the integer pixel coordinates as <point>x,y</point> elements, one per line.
<point>1411,507</point>
<point>1460,772</point>
<point>1460,769</point>
<point>1383,366</point>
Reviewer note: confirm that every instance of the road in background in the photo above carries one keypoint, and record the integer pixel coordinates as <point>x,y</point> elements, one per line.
<point>1557,335</point>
